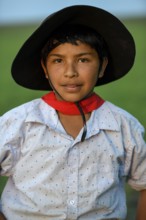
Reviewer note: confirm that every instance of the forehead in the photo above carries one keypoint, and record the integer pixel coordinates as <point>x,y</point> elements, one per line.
<point>69,48</point>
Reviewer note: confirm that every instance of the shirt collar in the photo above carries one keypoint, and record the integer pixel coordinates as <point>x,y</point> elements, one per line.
<point>42,113</point>
<point>101,119</point>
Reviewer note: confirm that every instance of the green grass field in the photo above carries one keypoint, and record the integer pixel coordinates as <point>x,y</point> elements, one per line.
<point>128,93</point>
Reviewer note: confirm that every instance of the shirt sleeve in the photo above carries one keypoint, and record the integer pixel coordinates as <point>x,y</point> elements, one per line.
<point>136,157</point>
<point>10,139</point>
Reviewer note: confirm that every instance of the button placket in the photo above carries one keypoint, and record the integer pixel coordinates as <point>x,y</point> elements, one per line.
<point>73,161</point>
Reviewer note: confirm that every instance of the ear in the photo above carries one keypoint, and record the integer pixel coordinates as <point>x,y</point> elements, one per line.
<point>104,65</point>
<point>44,68</point>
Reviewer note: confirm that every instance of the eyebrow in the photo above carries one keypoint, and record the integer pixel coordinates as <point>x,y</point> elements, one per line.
<point>77,55</point>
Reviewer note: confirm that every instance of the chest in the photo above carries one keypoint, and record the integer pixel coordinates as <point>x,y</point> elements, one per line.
<point>45,148</point>
<point>72,124</point>
<point>53,162</point>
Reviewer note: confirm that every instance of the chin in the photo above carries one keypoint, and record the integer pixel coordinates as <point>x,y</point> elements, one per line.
<point>71,98</point>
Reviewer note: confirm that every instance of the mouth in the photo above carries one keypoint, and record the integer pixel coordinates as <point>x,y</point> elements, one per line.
<point>72,87</point>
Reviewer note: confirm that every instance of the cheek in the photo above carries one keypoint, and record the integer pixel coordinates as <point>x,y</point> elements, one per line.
<point>53,72</point>
<point>89,67</point>
<point>91,73</point>
<point>93,79</point>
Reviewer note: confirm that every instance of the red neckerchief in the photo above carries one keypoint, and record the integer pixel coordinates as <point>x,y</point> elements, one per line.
<point>69,108</point>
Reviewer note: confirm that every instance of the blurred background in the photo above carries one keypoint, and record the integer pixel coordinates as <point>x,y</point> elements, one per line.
<point>18,19</point>
<point>18,11</point>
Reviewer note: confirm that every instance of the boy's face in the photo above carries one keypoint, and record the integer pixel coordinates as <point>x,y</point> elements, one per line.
<point>73,70</point>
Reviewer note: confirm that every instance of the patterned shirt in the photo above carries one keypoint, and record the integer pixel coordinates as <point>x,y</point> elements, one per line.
<point>53,176</point>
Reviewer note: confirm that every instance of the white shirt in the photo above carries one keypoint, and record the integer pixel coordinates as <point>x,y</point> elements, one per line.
<point>53,176</point>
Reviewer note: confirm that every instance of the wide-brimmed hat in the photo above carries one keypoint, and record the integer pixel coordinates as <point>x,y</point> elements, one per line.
<point>26,67</point>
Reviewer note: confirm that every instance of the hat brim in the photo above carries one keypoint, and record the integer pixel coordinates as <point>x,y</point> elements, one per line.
<point>26,67</point>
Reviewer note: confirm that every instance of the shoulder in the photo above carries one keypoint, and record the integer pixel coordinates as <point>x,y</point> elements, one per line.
<point>123,117</point>
<point>35,111</point>
<point>19,113</point>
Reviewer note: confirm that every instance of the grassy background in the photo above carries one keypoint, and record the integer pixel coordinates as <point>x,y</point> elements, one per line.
<point>128,93</point>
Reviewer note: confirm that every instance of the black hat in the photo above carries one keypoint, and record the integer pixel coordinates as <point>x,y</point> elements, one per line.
<point>26,67</point>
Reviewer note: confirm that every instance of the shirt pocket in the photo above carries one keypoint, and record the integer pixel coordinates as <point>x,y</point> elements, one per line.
<point>109,175</point>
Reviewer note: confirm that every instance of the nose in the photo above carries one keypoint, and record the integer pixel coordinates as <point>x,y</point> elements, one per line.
<point>70,70</point>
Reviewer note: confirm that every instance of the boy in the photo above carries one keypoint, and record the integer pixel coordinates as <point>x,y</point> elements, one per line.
<point>68,154</point>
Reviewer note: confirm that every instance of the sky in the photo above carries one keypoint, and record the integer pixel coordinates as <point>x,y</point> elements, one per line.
<point>24,11</point>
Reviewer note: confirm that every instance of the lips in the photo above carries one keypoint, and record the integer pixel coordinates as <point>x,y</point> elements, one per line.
<point>72,87</point>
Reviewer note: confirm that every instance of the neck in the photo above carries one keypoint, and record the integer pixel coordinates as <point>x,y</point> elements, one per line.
<point>69,108</point>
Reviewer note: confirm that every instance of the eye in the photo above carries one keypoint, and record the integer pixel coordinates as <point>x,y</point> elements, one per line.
<point>58,60</point>
<point>83,60</point>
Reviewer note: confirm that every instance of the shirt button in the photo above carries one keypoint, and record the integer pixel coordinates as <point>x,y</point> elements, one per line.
<point>72,202</point>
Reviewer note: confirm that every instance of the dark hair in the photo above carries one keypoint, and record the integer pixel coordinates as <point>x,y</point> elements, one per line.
<point>72,34</point>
